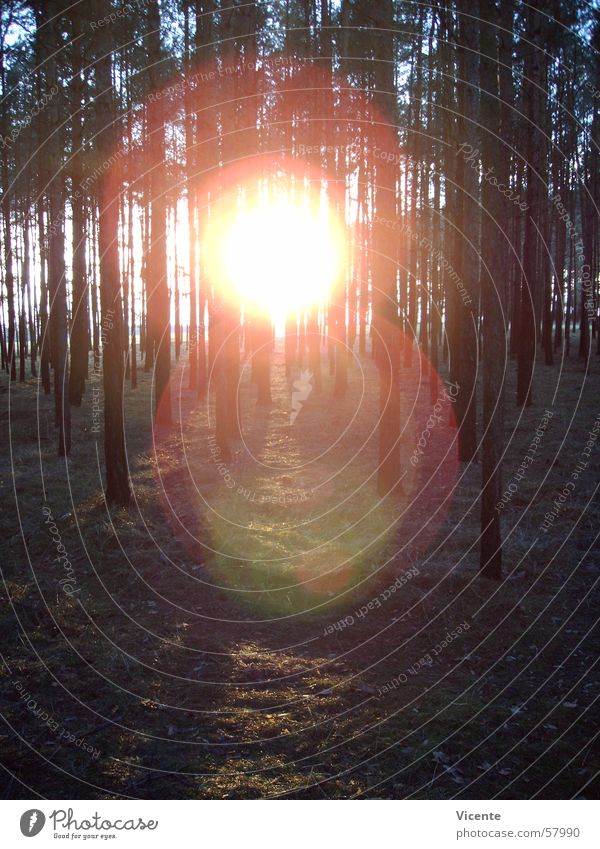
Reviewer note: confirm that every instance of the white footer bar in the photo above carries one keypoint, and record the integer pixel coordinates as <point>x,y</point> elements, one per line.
<point>298,825</point>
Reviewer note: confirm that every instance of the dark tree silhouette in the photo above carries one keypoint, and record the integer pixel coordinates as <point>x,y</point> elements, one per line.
<point>113,371</point>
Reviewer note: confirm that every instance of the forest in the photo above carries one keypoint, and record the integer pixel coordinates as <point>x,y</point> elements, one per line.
<point>300,372</point>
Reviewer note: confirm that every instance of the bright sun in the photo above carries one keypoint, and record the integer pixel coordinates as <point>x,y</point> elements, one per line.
<point>278,252</point>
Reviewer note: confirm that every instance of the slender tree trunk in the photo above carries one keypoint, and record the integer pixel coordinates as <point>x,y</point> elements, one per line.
<point>57,288</point>
<point>291,342</point>
<point>262,341</point>
<point>113,373</point>
<point>464,354</point>
<point>313,339</point>
<point>158,294</point>
<point>494,246</point>
<point>25,284</point>
<point>95,289</point>
<point>132,289</point>
<point>177,292</point>
<point>32,311</point>
<point>44,344</point>
<point>80,314</point>
<point>414,148</point>
<point>130,242</point>
<point>385,306</point>
<point>533,85</point>
<point>9,279</point>
<point>190,167</point>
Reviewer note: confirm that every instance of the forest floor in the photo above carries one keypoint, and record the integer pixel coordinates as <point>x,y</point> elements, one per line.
<point>235,633</point>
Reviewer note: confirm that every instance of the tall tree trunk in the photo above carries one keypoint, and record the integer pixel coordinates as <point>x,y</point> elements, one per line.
<point>131,272</point>
<point>158,292</point>
<point>237,22</point>
<point>130,239</point>
<point>533,87</point>
<point>177,292</point>
<point>44,344</point>
<point>207,144</point>
<point>80,314</point>
<point>464,353</point>
<point>31,310</point>
<point>6,213</point>
<point>385,306</point>
<point>191,180</point>
<point>25,284</point>
<point>113,372</point>
<point>494,247</point>
<point>413,167</point>
<point>49,32</point>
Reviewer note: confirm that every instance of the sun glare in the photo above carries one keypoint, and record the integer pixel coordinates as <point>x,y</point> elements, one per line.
<point>278,252</point>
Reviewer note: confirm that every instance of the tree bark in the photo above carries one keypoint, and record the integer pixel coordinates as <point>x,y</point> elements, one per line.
<point>50,36</point>
<point>80,311</point>
<point>385,306</point>
<point>533,88</point>
<point>158,292</point>
<point>494,247</point>
<point>113,372</point>
<point>464,350</point>
<point>9,279</point>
